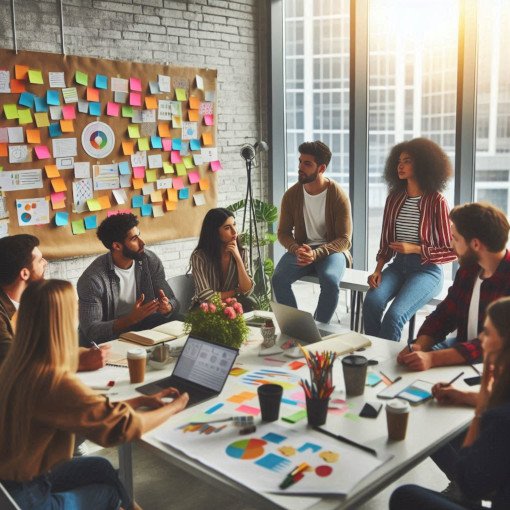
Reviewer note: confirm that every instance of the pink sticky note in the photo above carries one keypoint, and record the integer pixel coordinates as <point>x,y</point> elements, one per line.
<point>209,120</point>
<point>135,99</point>
<point>296,365</point>
<point>215,166</point>
<point>58,197</point>
<point>175,157</point>
<point>119,211</point>
<point>42,152</point>
<point>177,183</point>
<point>138,172</point>
<point>193,177</point>
<point>135,84</point>
<point>69,112</point>
<point>167,144</point>
<point>254,411</point>
<point>113,109</point>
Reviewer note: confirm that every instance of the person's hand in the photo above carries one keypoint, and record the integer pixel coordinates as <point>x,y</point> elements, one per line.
<point>93,359</point>
<point>305,255</point>
<point>164,306</point>
<point>485,384</point>
<point>140,310</point>
<point>375,279</point>
<point>405,351</point>
<point>233,249</point>
<point>155,401</point>
<point>447,395</point>
<point>417,360</point>
<point>179,403</point>
<point>405,248</point>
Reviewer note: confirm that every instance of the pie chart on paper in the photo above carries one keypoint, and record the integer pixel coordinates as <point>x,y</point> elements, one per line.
<point>246,449</point>
<point>98,139</point>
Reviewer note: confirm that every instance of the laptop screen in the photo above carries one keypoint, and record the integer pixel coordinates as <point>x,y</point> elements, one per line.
<point>204,363</point>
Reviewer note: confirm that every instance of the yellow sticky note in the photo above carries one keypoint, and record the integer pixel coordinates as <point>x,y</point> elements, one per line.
<point>143,144</point>
<point>58,184</point>
<point>128,148</point>
<point>151,103</point>
<point>207,139</point>
<point>138,183</point>
<point>21,72</point>
<point>194,102</point>
<point>180,94</point>
<point>67,126</point>
<point>193,115</point>
<point>25,117</point>
<point>35,76</point>
<point>134,131</point>
<point>172,195</point>
<point>93,204</point>
<point>188,161</point>
<point>104,202</point>
<point>170,205</point>
<point>168,168</point>
<point>11,111</point>
<point>181,169</point>
<point>78,226</point>
<point>42,119</point>
<point>33,136</point>
<point>163,130</point>
<point>203,184</point>
<point>157,196</point>
<point>52,171</point>
<point>151,175</point>
<point>81,78</point>
<point>176,121</point>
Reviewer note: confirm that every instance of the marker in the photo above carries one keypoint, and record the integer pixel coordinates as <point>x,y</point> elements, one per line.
<point>294,476</point>
<point>453,380</point>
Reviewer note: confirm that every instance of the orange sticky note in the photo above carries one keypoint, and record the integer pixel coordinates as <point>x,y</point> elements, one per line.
<point>33,136</point>
<point>92,94</point>
<point>67,126</point>
<point>58,184</point>
<point>17,87</point>
<point>164,131</point>
<point>157,196</point>
<point>21,72</point>
<point>172,195</point>
<point>51,171</point>
<point>203,184</point>
<point>207,138</point>
<point>3,150</point>
<point>128,148</point>
<point>151,103</point>
<point>193,115</point>
<point>170,206</point>
<point>194,102</point>
<point>104,202</point>
<point>138,183</point>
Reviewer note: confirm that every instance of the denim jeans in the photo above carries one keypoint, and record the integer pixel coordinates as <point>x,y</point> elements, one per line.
<point>330,271</point>
<point>411,285</point>
<point>419,498</point>
<point>83,483</point>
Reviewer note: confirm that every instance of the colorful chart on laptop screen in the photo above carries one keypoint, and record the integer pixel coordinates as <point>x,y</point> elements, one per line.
<point>98,139</point>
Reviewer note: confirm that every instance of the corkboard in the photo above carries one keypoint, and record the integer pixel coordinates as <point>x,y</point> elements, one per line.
<point>60,242</point>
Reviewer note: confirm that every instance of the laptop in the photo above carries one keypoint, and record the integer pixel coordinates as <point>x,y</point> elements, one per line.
<point>200,371</point>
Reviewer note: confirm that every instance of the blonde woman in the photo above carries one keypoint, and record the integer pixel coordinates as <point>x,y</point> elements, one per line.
<point>43,404</point>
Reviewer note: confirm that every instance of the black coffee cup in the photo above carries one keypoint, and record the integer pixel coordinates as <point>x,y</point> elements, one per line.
<point>270,396</point>
<point>355,374</point>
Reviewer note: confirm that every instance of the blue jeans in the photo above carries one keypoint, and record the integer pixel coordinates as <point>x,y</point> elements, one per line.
<point>411,285</point>
<point>330,271</point>
<point>83,483</point>
<point>419,498</point>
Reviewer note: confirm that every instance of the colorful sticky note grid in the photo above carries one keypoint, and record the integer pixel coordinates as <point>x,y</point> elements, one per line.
<point>203,184</point>
<point>93,204</point>
<point>157,196</point>
<point>215,166</point>
<point>175,157</point>
<point>207,139</point>
<point>67,126</point>
<point>178,184</point>
<point>168,168</point>
<point>58,200</point>
<point>138,172</point>
<point>69,112</point>
<point>21,72</point>
<point>151,103</point>
<point>151,175</point>
<point>167,144</point>
<point>194,102</point>
<point>54,130</point>
<point>104,202</point>
<point>172,194</point>
<point>137,183</point>
<point>127,111</point>
<point>26,99</point>
<point>58,184</point>
<point>181,169</point>
<point>135,99</point>
<point>209,120</point>
<point>143,144</point>
<point>124,168</point>
<point>176,144</point>
<point>193,115</point>
<point>193,177</point>
<point>40,104</point>
<point>170,205</point>
<point>180,94</point>
<point>42,119</point>
<point>135,84</point>
<point>51,171</point>
<point>17,86</point>
<point>134,131</point>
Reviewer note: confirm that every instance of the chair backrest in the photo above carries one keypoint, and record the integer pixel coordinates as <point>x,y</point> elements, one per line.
<point>183,287</point>
<point>6,502</point>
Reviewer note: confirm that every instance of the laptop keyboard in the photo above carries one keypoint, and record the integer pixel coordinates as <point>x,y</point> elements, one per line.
<point>323,332</point>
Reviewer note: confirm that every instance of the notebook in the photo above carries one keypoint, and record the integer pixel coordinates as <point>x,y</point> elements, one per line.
<point>163,333</point>
<point>201,371</point>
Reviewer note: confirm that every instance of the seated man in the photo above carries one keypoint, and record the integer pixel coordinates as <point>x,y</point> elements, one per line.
<point>479,238</point>
<point>125,289</point>
<point>22,262</point>
<point>315,228</point>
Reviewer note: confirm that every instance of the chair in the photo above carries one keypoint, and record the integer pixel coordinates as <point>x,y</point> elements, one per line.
<point>183,287</point>
<point>6,502</point>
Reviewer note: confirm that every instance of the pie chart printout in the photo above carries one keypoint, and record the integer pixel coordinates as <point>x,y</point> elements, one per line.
<point>246,449</point>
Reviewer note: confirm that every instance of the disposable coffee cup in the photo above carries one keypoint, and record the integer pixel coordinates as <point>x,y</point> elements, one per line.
<point>397,416</point>
<point>270,396</point>
<point>355,374</point>
<point>136,362</point>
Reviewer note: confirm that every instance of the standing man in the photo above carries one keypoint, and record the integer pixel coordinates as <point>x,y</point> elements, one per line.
<point>125,289</point>
<point>479,238</point>
<point>315,228</point>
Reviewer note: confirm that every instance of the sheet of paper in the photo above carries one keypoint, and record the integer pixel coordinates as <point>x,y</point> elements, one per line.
<point>55,112</point>
<point>57,80</point>
<point>120,196</point>
<point>164,183</point>
<point>164,83</point>
<point>155,161</point>
<point>119,85</point>
<point>164,110</point>
<point>199,199</point>
<point>70,95</point>
<point>15,134</point>
<point>19,154</point>
<point>23,179</point>
<point>64,147</point>
<point>105,177</point>
<point>33,211</point>
<point>5,77</point>
<point>66,163</point>
<point>81,169</point>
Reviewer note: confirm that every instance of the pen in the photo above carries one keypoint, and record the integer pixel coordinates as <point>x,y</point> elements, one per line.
<point>410,346</point>
<point>475,369</point>
<point>346,440</point>
<point>94,345</point>
<point>453,380</point>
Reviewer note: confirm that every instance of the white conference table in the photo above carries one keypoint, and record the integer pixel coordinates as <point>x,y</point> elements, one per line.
<point>430,427</point>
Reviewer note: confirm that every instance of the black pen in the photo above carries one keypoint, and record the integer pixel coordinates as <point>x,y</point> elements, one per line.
<point>346,440</point>
<point>453,380</point>
<point>475,369</point>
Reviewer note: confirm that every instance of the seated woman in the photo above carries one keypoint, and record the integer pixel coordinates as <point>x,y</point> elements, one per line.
<point>218,263</point>
<point>482,469</point>
<point>43,405</point>
<point>415,234</point>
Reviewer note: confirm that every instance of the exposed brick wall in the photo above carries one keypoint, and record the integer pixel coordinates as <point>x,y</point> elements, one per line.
<point>229,36</point>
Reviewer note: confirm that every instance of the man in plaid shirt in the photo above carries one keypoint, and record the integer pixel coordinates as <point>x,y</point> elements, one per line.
<point>479,238</point>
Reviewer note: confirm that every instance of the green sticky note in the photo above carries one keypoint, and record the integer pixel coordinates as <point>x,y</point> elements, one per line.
<point>11,111</point>
<point>127,111</point>
<point>168,168</point>
<point>151,175</point>
<point>25,117</point>
<point>35,76</point>
<point>295,417</point>
<point>188,161</point>
<point>81,78</point>
<point>143,144</point>
<point>93,205</point>
<point>78,227</point>
<point>180,94</point>
<point>181,169</point>
<point>134,131</point>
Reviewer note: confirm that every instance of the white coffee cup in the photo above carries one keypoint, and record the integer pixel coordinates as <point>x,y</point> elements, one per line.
<point>137,359</point>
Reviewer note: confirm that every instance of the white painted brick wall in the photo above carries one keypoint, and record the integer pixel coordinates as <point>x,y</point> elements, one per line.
<point>227,36</point>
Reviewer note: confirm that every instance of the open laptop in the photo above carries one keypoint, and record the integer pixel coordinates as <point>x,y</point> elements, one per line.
<point>200,371</point>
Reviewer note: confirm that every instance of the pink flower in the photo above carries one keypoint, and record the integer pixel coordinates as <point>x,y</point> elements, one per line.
<point>204,307</point>
<point>212,307</point>
<point>230,300</point>
<point>238,307</point>
<point>229,312</point>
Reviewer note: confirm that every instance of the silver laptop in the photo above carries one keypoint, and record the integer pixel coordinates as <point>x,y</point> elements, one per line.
<point>299,325</point>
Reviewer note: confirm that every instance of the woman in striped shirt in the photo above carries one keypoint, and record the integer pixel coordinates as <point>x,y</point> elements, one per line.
<point>415,234</point>
<point>218,263</point>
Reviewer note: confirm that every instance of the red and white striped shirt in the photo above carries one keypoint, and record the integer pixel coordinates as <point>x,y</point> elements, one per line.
<point>434,231</point>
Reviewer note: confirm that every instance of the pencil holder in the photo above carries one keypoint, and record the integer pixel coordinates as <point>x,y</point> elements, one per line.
<point>317,411</point>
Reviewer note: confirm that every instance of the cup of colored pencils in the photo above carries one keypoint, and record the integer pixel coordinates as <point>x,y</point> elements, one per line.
<point>320,387</point>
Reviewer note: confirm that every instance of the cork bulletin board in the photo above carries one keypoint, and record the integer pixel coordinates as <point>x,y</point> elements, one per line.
<point>82,138</point>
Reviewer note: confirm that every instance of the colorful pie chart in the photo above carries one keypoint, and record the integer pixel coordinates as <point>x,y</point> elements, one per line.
<point>246,449</point>
<point>98,140</point>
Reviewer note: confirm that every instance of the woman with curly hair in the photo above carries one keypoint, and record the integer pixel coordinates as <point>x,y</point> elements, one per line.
<point>415,234</point>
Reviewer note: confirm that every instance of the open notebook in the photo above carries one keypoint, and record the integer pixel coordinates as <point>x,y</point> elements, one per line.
<point>343,343</point>
<point>163,333</point>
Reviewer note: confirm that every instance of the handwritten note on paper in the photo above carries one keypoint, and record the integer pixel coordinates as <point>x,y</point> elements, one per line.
<point>155,161</point>
<point>64,147</point>
<point>164,83</point>
<point>57,80</point>
<point>18,180</point>
<point>81,169</point>
<point>164,110</point>
<point>199,199</point>
<point>5,77</point>
<point>190,131</point>
<point>15,134</point>
<point>19,154</point>
<point>164,183</point>
<point>119,85</point>
<point>70,95</point>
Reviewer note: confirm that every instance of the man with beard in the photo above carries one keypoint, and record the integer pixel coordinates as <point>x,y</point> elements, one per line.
<point>479,238</point>
<point>315,228</point>
<point>125,289</point>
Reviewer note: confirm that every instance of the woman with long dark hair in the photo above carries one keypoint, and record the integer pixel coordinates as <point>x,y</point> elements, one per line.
<point>218,263</point>
<point>415,236</point>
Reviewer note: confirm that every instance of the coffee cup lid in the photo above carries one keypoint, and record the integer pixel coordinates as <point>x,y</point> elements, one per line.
<point>355,360</point>
<point>398,406</point>
<point>137,353</point>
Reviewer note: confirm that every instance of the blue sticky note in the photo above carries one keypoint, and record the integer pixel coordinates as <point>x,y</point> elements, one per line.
<point>156,142</point>
<point>176,144</point>
<point>183,193</point>
<point>124,168</point>
<point>137,201</point>
<point>61,219</point>
<point>194,144</point>
<point>55,130</point>
<point>40,104</point>
<point>146,209</point>
<point>101,81</point>
<point>90,222</point>
<point>94,108</point>
<point>52,97</point>
<point>26,99</point>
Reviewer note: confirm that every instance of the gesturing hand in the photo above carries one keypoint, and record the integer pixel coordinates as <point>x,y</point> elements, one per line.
<point>140,310</point>
<point>164,306</point>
